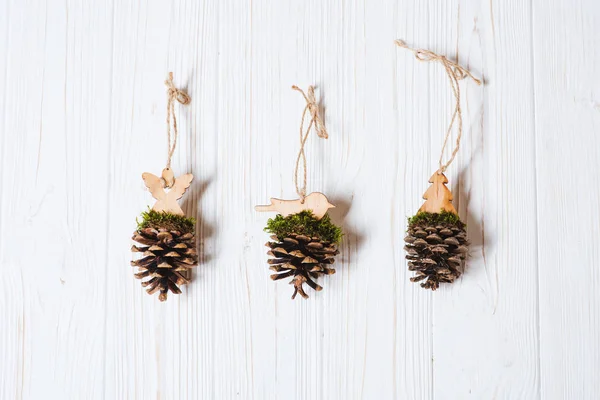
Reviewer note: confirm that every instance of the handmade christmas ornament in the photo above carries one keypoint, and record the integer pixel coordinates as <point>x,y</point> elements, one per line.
<point>304,241</point>
<point>436,239</point>
<point>165,236</point>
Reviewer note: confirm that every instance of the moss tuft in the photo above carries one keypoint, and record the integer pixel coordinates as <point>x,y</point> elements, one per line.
<point>435,218</point>
<point>304,223</point>
<point>162,219</point>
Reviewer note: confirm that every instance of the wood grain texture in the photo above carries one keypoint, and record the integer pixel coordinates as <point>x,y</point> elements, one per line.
<point>567,118</point>
<point>83,110</point>
<point>489,319</point>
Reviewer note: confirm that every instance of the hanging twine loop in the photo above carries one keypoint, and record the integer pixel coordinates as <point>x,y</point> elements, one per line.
<point>313,108</point>
<point>173,94</point>
<point>455,73</point>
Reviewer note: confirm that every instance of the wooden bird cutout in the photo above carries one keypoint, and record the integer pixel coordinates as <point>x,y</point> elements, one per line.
<point>167,201</point>
<point>315,202</point>
<point>438,196</point>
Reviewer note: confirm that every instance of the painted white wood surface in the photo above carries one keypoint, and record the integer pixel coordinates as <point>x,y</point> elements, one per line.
<point>83,109</point>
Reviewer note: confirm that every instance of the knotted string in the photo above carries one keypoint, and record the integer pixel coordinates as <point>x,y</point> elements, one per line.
<point>455,73</point>
<point>313,108</point>
<point>173,94</point>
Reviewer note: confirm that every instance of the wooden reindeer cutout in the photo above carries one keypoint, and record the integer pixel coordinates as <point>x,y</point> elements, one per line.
<point>167,200</point>
<point>315,202</point>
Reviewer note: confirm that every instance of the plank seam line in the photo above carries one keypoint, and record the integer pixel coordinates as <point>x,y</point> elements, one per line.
<point>536,197</point>
<point>108,184</point>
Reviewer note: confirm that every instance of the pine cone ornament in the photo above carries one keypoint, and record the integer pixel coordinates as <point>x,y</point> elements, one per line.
<point>436,246</point>
<point>436,239</point>
<point>303,248</point>
<point>169,251</point>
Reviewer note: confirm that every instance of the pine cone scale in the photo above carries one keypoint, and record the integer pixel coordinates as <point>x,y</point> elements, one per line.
<point>277,277</point>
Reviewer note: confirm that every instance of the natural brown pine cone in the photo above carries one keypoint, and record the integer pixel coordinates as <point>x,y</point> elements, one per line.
<point>303,257</point>
<point>436,246</point>
<point>167,256</point>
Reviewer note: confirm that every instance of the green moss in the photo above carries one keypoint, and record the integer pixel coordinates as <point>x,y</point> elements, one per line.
<point>165,220</point>
<point>435,218</point>
<point>304,223</point>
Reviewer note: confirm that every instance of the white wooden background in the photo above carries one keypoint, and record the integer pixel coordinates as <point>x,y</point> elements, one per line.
<point>83,109</point>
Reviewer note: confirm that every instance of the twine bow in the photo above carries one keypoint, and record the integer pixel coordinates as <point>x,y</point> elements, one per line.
<point>179,95</point>
<point>455,73</point>
<point>313,108</point>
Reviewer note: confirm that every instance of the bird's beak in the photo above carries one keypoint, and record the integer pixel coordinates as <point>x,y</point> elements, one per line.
<point>330,205</point>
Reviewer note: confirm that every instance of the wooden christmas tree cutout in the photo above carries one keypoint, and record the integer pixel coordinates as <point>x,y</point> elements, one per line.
<point>438,197</point>
<point>316,202</point>
<point>167,201</point>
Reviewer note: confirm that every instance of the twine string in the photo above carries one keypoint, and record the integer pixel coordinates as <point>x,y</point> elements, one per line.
<point>455,73</point>
<point>317,122</point>
<point>173,94</point>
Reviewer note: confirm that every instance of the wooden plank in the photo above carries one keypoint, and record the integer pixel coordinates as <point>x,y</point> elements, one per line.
<point>11,299</point>
<point>148,344</point>
<point>485,339</point>
<point>405,146</point>
<point>54,155</point>
<point>567,94</point>
<point>134,355</point>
